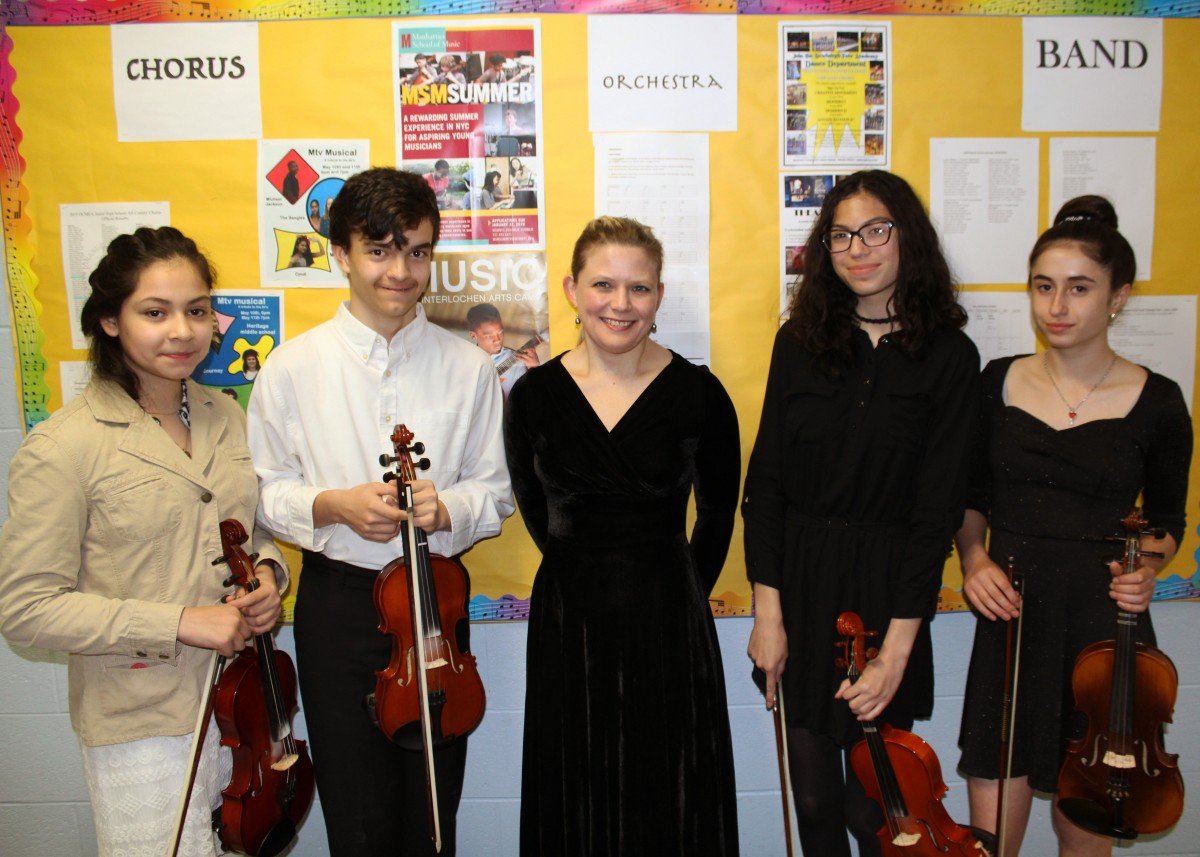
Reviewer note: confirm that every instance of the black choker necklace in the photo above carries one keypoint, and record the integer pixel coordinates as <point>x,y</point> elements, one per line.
<point>891,319</point>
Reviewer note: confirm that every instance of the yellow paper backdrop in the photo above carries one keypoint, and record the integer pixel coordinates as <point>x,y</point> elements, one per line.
<point>952,77</point>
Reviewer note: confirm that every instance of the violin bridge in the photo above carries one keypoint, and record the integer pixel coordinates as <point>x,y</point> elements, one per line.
<point>286,762</point>
<point>437,662</point>
<point>906,840</point>
<point>1118,760</point>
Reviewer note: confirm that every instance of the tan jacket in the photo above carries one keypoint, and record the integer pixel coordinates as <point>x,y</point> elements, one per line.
<point>112,531</point>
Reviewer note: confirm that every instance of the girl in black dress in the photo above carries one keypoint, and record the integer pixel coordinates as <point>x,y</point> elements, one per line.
<point>853,491</point>
<point>1070,437</point>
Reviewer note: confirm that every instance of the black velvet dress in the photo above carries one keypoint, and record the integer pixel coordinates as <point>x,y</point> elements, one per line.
<point>627,746</point>
<point>1051,498</point>
<point>852,497</point>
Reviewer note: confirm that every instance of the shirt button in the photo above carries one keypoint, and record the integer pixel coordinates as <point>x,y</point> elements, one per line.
<point>388,373</point>
<point>164,657</point>
<point>140,654</point>
<point>206,497</point>
<point>387,418</point>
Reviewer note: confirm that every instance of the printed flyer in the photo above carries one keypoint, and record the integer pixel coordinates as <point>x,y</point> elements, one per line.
<point>800,200</point>
<point>468,119</point>
<point>835,95</point>
<point>247,327</point>
<point>298,181</point>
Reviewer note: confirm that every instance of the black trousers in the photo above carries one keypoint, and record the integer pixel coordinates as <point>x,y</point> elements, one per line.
<point>372,792</point>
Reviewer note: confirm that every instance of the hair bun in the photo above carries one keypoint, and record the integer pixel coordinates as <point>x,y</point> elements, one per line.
<point>1090,207</point>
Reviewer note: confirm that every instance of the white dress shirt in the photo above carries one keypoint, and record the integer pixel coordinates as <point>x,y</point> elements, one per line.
<point>323,409</point>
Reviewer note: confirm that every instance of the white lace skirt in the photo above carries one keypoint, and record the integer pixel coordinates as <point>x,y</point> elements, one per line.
<point>135,790</point>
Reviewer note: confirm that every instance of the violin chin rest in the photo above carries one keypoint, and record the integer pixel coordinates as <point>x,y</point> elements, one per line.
<point>1094,817</point>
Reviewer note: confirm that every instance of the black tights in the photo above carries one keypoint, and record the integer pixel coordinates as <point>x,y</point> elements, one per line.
<point>829,798</point>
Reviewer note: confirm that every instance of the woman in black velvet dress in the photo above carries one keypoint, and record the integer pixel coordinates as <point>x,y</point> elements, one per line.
<point>1070,437</point>
<point>627,747</point>
<point>854,491</point>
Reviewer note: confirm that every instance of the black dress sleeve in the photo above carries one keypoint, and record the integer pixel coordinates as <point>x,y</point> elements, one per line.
<point>938,496</point>
<point>520,427</point>
<point>1168,458</point>
<point>764,501</point>
<point>715,481</point>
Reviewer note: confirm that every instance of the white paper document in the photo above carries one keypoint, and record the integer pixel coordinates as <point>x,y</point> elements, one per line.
<point>186,82</point>
<point>662,72</point>
<point>999,323</point>
<point>983,200</point>
<point>1091,74</point>
<point>661,180</point>
<point>87,229</point>
<point>1119,168</point>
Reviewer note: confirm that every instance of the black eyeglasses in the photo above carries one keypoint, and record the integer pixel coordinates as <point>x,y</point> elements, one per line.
<point>872,235</point>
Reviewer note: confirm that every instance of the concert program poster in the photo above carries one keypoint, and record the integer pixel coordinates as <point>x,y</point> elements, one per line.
<point>298,181</point>
<point>835,95</point>
<point>247,327</point>
<point>469,119</point>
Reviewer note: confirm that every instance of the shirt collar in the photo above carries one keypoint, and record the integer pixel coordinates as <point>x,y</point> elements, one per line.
<point>364,341</point>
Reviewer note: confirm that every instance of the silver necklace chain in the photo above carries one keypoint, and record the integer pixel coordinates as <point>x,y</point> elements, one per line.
<point>1073,410</point>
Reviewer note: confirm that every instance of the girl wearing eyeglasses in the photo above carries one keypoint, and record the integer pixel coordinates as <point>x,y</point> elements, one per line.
<point>854,488</point>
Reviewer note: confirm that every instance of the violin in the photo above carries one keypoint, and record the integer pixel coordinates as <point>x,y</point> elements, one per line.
<point>901,773</point>
<point>430,693</point>
<point>272,783</point>
<point>1118,780</point>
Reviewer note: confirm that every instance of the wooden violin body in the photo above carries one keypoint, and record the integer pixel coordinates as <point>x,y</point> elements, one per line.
<point>272,783</point>
<point>456,696</point>
<point>1118,780</point>
<point>901,773</point>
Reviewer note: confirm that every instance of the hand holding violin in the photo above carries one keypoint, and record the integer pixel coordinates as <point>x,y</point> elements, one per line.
<point>370,510</point>
<point>216,626</point>
<point>874,688</point>
<point>260,608</point>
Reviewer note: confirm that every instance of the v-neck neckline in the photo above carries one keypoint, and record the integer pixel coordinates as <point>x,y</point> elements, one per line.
<point>632,405</point>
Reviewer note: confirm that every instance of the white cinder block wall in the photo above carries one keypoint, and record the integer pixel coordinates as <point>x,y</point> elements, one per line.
<point>44,810</point>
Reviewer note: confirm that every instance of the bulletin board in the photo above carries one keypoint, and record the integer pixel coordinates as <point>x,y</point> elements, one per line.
<point>330,78</point>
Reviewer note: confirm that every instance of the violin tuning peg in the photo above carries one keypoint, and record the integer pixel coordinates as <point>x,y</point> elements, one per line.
<point>423,464</point>
<point>386,460</point>
<point>1153,554</point>
<point>253,558</point>
<point>219,561</point>
<point>390,477</point>
<point>418,448</point>
<point>229,581</point>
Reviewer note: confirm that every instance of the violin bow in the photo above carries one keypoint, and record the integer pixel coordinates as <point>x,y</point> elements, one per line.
<point>1012,674</point>
<point>785,773</point>
<point>418,619</point>
<point>203,716</point>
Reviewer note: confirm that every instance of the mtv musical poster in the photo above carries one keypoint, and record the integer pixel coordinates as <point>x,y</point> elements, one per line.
<point>498,301</point>
<point>298,181</point>
<point>835,95</point>
<point>247,327</point>
<point>469,120</point>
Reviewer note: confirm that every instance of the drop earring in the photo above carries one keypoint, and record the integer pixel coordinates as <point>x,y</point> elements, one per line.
<point>577,321</point>
<point>654,327</point>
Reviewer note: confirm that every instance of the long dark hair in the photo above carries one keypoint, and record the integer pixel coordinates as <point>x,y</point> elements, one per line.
<point>307,254</point>
<point>822,311</point>
<point>116,278</point>
<point>1091,222</point>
